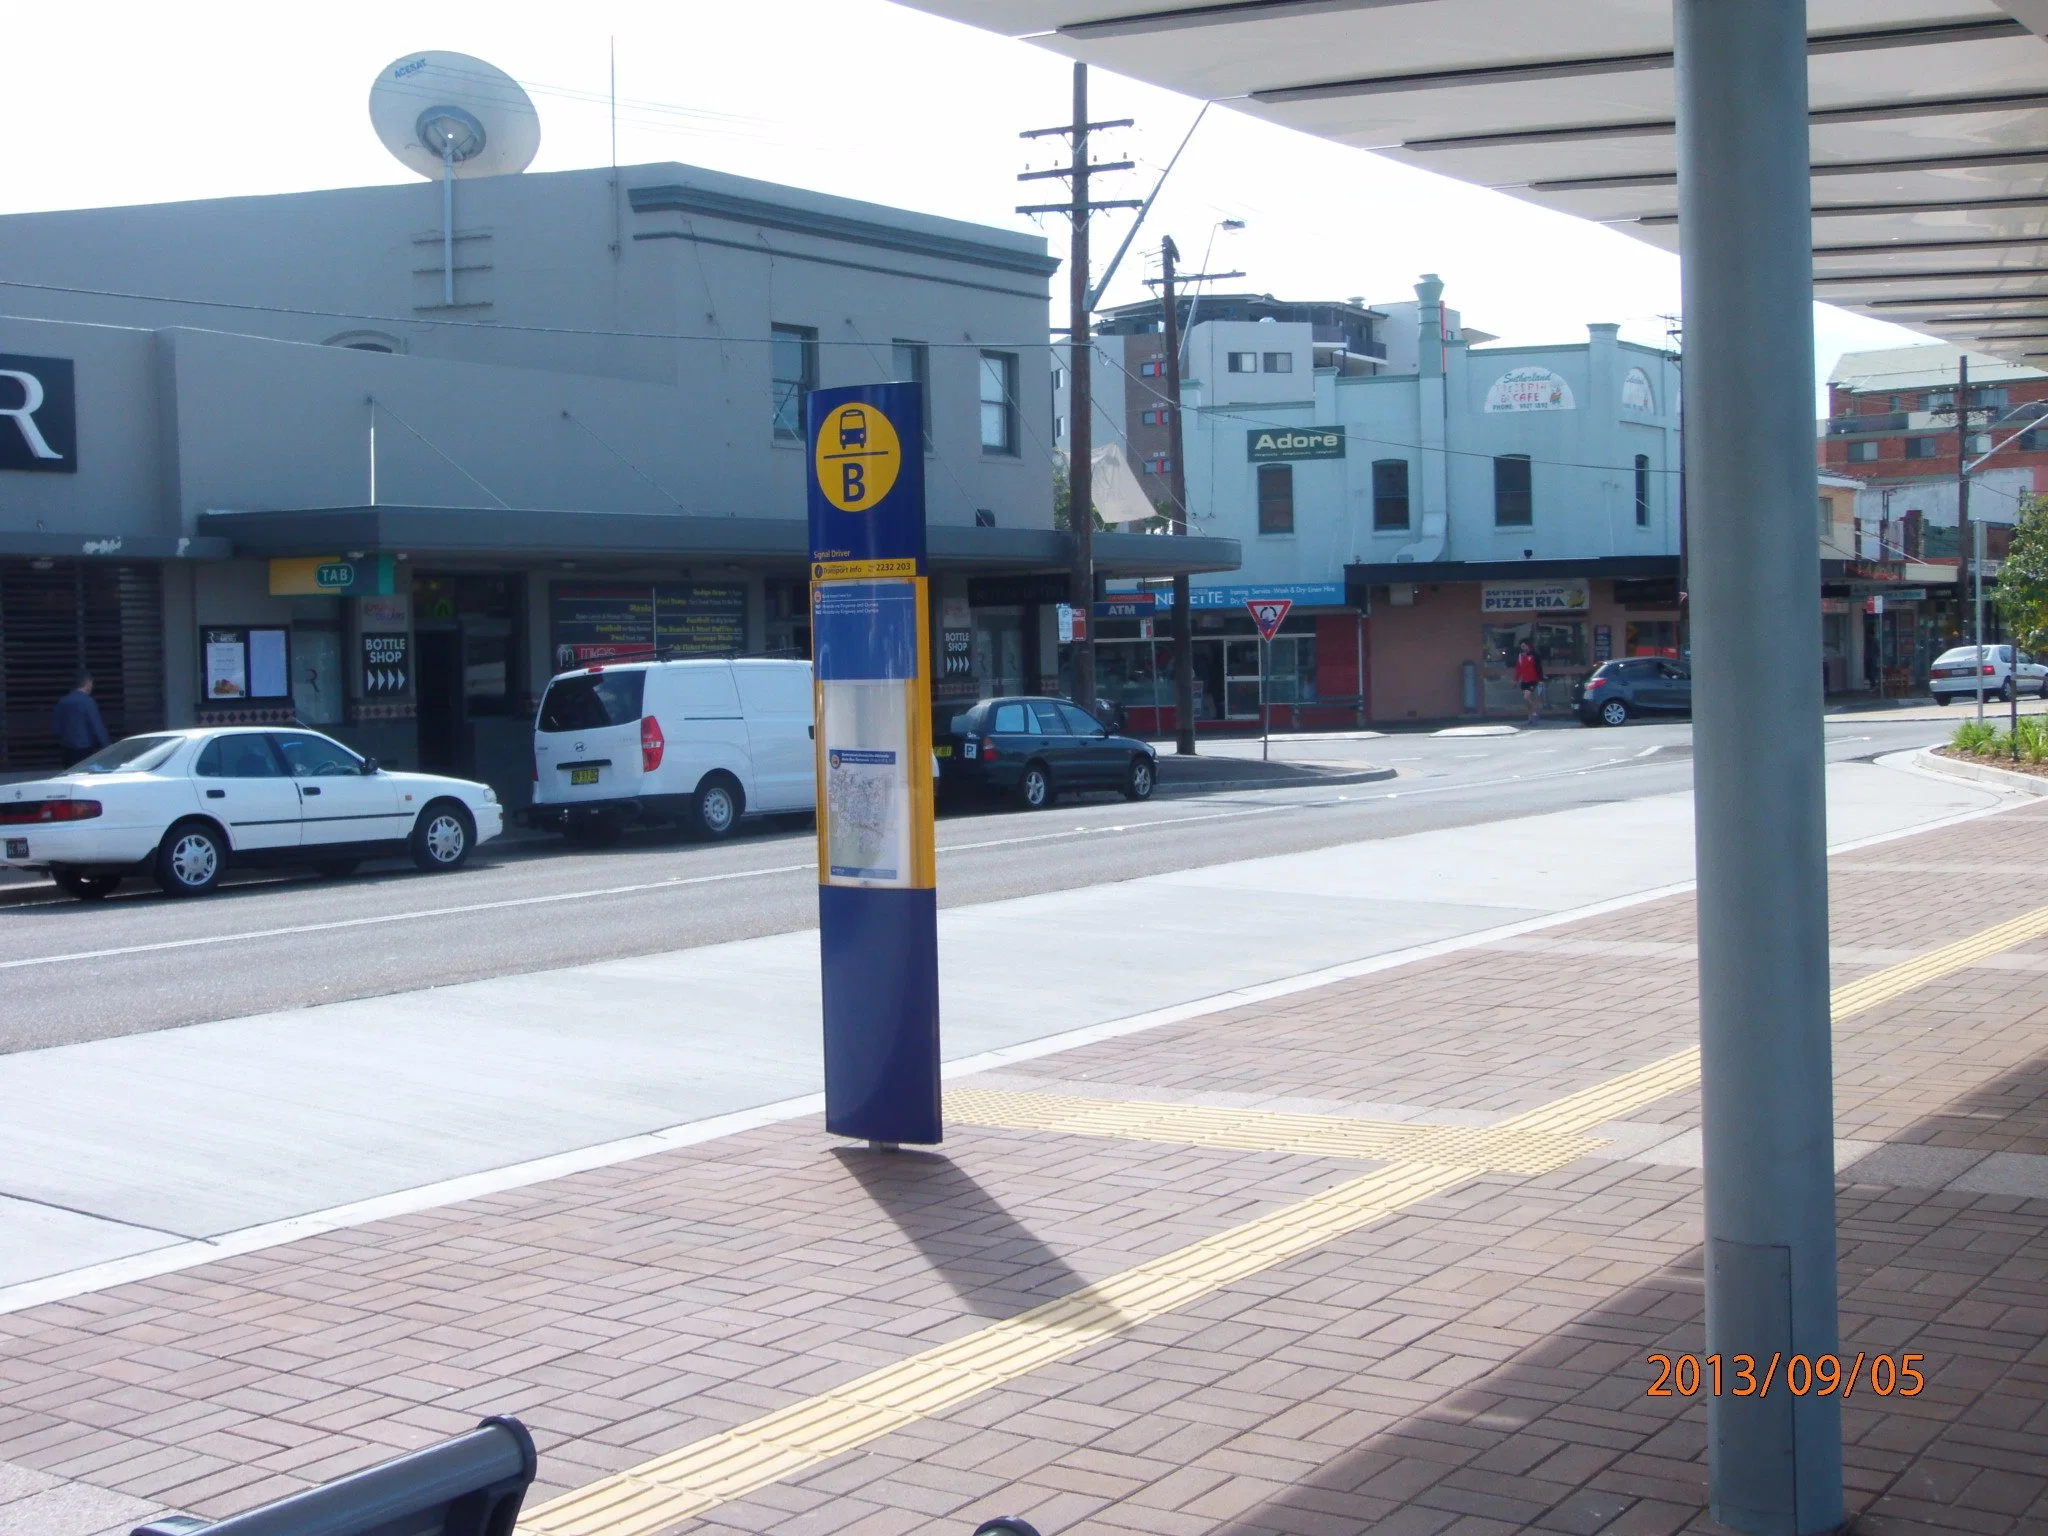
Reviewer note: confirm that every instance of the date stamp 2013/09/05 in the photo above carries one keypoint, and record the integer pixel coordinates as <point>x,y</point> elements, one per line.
<point>1800,1375</point>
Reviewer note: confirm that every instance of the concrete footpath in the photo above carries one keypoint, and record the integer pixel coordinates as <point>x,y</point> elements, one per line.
<point>1392,1245</point>
<point>160,1150</point>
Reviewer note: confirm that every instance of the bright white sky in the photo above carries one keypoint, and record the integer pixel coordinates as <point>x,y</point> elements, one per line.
<point>121,102</point>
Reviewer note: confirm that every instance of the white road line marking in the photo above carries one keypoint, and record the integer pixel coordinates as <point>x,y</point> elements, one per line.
<point>398,917</point>
<point>679,881</point>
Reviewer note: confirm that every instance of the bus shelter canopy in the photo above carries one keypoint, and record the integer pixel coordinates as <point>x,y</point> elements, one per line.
<point>1928,120</point>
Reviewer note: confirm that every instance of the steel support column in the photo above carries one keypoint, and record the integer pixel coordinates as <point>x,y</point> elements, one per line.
<point>1760,817</point>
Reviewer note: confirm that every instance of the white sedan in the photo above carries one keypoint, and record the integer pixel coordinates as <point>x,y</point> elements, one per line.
<point>184,805</point>
<point>1955,673</point>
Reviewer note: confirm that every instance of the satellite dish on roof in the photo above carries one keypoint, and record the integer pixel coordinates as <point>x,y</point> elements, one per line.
<point>447,114</point>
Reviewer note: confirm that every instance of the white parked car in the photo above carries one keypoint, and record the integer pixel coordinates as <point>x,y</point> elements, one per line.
<point>699,743</point>
<point>185,805</point>
<point>2005,671</point>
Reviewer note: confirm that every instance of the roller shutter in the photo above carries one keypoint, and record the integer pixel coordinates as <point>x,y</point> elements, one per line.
<point>57,615</point>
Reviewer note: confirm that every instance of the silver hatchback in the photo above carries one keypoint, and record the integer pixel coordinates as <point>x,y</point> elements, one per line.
<point>2004,670</point>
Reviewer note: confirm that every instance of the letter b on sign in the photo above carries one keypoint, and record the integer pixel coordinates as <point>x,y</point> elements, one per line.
<point>852,482</point>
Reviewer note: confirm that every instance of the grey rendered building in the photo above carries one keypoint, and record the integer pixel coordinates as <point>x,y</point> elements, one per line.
<point>282,477</point>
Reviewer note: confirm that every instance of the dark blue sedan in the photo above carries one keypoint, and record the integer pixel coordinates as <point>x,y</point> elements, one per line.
<point>1038,749</point>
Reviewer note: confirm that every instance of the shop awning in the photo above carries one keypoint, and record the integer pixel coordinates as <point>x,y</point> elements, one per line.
<point>1615,567</point>
<point>522,536</point>
<point>1929,120</point>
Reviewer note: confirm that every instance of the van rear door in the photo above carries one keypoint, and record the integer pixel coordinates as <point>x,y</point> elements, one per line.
<point>777,698</point>
<point>586,742</point>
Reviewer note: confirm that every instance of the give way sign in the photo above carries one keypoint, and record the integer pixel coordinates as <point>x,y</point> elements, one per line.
<point>1268,612</point>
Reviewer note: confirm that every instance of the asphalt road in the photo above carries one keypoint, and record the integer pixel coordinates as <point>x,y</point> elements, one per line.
<point>72,971</point>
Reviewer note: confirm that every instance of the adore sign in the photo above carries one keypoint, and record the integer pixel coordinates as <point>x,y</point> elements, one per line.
<point>1266,445</point>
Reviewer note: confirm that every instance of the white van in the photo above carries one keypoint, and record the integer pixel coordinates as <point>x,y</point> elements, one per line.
<point>700,743</point>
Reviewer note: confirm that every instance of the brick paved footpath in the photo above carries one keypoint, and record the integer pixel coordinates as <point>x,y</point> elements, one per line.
<point>1473,1363</point>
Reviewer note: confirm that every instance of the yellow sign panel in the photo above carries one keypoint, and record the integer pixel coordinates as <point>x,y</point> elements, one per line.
<point>858,456</point>
<point>860,570</point>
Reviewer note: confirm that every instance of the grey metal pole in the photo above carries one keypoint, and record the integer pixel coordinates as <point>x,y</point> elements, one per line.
<point>447,218</point>
<point>1759,814</point>
<point>1976,558</point>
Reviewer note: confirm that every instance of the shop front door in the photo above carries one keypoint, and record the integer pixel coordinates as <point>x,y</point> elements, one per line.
<point>442,733</point>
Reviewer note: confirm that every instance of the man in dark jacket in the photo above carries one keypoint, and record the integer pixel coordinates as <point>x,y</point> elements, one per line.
<point>77,722</point>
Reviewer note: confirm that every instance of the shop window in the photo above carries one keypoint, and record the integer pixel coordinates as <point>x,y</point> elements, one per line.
<point>316,674</point>
<point>910,362</point>
<point>1242,362</point>
<point>1863,452</point>
<point>1279,362</point>
<point>1276,498</point>
<point>793,353</point>
<point>1642,490</point>
<point>999,402</point>
<point>1922,447</point>
<point>1651,637</point>
<point>1513,495</point>
<point>1389,495</point>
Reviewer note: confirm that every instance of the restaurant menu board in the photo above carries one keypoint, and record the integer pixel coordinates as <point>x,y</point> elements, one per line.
<point>639,621</point>
<point>244,663</point>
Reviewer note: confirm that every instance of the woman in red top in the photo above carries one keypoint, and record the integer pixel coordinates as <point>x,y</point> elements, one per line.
<point>1529,674</point>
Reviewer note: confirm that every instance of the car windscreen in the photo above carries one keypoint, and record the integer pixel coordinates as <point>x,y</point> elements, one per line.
<point>592,701</point>
<point>1967,654</point>
<point>138,754</point>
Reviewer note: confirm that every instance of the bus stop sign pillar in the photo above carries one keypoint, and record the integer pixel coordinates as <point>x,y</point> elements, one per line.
<point>877,889</point>
<point>1759,813</point>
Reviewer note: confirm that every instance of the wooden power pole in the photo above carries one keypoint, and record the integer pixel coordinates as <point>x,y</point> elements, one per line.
<point>1080,436</point>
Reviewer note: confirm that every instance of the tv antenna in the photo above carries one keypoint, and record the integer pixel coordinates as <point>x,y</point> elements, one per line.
<point>446,115</point>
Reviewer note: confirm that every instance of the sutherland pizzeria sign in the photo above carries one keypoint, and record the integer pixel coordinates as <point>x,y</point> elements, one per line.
<point>1266,445</point>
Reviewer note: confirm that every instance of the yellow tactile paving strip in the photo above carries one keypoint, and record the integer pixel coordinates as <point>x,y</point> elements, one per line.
<point>686,1482</point>
<point>1252,1130</point>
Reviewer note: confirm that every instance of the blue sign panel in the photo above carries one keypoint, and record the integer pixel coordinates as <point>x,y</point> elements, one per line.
<point>864,631</point>
<point>1129,605</point>
<point>867,480</point>
<point>1303,594</point>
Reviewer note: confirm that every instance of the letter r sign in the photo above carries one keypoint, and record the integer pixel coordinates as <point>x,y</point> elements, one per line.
<point>38,415</point>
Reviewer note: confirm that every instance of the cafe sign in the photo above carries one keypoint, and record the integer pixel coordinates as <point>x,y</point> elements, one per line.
<point>1565,596</point>
<point>1530,389</point>
<point>1273,445</point>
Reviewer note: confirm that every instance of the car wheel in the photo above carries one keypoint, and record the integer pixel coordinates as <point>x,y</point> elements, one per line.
<point>2044,688</point>
<point>76,882</point>
<point>190,860</point>
<point>1614,712</point>
<point>2006,692</point>
<point>715,808</point>
<point>1138,782</point>
<point>1942,699</point>
<point>336,869</point>
<point>1034,787</point>
<point>442,838</point>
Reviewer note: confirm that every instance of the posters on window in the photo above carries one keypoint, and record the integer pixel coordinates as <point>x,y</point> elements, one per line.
<point>640,621</point>
<point>227,672</point>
